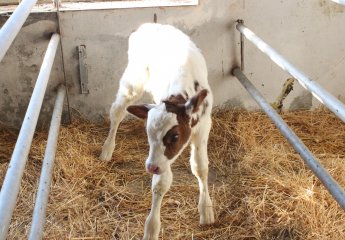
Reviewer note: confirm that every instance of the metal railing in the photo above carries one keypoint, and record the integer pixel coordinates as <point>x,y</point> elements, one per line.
<point>342,2</point>
<point>10,29</point>
<point>11,184</point>
<point>331,185</point>
<point>321,94</point>
<point>39,214</point>
<point>331,102</point>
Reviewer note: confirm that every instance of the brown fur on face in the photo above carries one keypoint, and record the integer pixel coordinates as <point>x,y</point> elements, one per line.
<point>175,139</point>
<point>178,135</point>
<point>178,99</point>
<point>194,121</point>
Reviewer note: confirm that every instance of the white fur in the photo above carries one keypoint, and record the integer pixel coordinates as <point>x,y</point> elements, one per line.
<point>160,123</point>
<point>163,61</point>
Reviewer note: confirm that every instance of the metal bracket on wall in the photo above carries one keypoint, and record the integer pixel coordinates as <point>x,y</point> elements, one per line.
<point>240,21</point>
<point>83,69</point>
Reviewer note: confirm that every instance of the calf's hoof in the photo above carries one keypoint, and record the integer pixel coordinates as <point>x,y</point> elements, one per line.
<point>207,216</point>
<point>105,156</point>
<point>150,238</point>
<point>107,152</point>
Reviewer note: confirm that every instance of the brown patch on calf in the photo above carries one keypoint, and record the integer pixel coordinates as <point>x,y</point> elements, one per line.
<point>175,139</point>
<point>197,100</point>
<point>196,85</point>
<point>178,99</point>
<point>178,135</point>
<point>194,121</point>
<point>139,111</point>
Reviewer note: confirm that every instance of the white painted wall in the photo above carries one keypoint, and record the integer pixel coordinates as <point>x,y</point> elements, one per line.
<point>309,33</point>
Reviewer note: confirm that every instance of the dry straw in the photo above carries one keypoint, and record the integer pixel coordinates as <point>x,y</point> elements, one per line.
<point>260,187</point>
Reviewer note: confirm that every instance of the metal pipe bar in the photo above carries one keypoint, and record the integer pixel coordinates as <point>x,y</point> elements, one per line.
<point>342,2</point>
<point>10,29</point>
<point>337,107</point>
<point>38,219</point>
<point>11,184</point>
<point>331,185</point>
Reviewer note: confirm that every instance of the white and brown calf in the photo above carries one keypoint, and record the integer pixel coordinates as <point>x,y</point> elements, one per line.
<point>166,63</point>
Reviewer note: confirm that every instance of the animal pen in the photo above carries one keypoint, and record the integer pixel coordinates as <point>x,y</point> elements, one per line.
<point>262,186</point>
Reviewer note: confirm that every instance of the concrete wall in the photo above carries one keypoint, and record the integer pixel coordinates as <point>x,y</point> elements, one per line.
<point>20,66</point>
<point>309,33</point>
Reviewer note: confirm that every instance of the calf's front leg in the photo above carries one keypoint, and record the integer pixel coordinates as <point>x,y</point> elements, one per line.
<point>199,166</point>
<point>160,185</point>
<point>130,90</point>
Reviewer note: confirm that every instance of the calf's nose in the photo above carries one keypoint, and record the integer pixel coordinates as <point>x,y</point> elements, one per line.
<point>152,168</point>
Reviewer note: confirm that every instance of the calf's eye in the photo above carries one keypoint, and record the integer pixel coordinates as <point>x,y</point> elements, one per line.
<point>174,138</point>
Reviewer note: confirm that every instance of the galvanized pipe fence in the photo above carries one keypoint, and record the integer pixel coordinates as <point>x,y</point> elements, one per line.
<point>342,2</point>
<point>10,29</point>
<point>331,102</point>
<point>41,202</point>
<point>337,107</point>
<point>11,184</point>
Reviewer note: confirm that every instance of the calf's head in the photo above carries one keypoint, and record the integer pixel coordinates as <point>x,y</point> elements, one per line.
<point>169,126</point>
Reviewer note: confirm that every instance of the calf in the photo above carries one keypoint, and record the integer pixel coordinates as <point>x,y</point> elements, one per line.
<point>164,62</point>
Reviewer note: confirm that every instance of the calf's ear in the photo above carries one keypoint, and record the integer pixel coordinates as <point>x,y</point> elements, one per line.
<point>192,105</point>
<point>140,111</point>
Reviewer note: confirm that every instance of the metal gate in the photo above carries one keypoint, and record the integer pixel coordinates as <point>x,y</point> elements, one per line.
<point>11,184</point>
<point>331,102</point>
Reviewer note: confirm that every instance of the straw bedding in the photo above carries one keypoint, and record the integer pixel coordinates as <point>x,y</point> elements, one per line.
<point>260,187</point>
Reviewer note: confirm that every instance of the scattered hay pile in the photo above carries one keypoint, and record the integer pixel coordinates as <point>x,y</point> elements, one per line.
<point>260,187</point>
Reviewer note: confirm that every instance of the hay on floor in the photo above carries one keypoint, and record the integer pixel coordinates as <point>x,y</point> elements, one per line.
<point>260,187</point>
